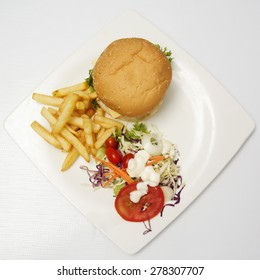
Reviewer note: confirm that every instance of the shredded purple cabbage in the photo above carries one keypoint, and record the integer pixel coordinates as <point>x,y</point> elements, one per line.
<point>96,177</point>
<point>147,226</point>
<point>175,200</point>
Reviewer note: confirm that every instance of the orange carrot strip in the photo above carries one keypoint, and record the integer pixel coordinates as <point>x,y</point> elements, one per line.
<point>110,179</point>
<point>116,169</point>
<point>107,174</point>
<point>155,159</point>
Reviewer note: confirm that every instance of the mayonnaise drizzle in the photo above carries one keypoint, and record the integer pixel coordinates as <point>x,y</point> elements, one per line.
<point>137,168</point>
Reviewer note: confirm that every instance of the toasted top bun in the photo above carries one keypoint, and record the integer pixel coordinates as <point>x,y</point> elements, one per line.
<point>131,77</point>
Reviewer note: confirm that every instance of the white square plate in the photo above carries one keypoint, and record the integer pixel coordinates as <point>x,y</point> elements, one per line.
<point>198,114</point>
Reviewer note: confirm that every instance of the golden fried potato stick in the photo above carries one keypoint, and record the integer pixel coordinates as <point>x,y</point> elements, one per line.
<point>68,106</point>
<point>84,94</point>
<point>65,145</point>
<point>102,139</point>
<point>87,126</point>
<point>107,122</point>
<point>67,90</point>
<point>76,144</point>
<point>45,134</point>
<point>78,121</point>
<point>47,99</point>
<point>80,105</point>
<point>70,159</point>
<point>48,116</point>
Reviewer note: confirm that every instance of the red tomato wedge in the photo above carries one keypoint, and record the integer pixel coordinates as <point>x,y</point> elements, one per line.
<point>126,159</point>
<point>111,142</point>
<point>148,207</point>
<point>113,155</point>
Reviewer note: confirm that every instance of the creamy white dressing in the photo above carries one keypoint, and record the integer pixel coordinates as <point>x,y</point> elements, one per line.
<point>135,196</point>
<point>150,176</point>
<point>137,164</point>
<point>137,168</point>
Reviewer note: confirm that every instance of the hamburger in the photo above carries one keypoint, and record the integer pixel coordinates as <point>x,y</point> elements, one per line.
<point>131,78</point>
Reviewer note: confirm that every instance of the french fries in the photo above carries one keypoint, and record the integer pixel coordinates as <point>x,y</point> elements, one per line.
<point>76,127</point>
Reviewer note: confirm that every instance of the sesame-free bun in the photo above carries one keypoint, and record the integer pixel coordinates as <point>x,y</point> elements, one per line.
<point>131,77</point>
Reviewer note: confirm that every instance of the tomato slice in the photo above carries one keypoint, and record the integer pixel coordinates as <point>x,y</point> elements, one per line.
<point>148,207</point>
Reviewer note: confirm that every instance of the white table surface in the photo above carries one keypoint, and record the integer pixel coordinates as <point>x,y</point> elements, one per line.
<point>37,222</point>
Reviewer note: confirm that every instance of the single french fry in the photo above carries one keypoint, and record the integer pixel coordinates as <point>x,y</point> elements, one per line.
<point>45,134</point>
<point>92,95</point>
<point>87,125</point>
<point>84,94</point>
<point>70,159</point>
<point>48,116</point>
<point>76,144</point>
<point>93,151</point>
<point>47,99</point>
<point>107,122</point>
<point>65,145</point>
<point>67,90</point>
<point>80,105</point>
<point>100,133</point>
<point>71,130</point>
<point>95,127</point>
<point>102,139</point>
<point>52,110</point>
<point>68,106</point>
<point>110,112</point>
<point>100,112</point>
<point>77,121</point>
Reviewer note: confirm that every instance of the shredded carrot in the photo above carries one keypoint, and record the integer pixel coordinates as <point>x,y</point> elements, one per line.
<point>116,169</point>
<point>110,180</point>
<point>155,159</point>
<point>107,174</point>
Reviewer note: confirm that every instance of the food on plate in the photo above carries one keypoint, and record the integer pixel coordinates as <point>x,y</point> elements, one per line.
<point>131,77</point>
<point>77,125</point>
<point>144,178</point>
<point>129,80</point>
